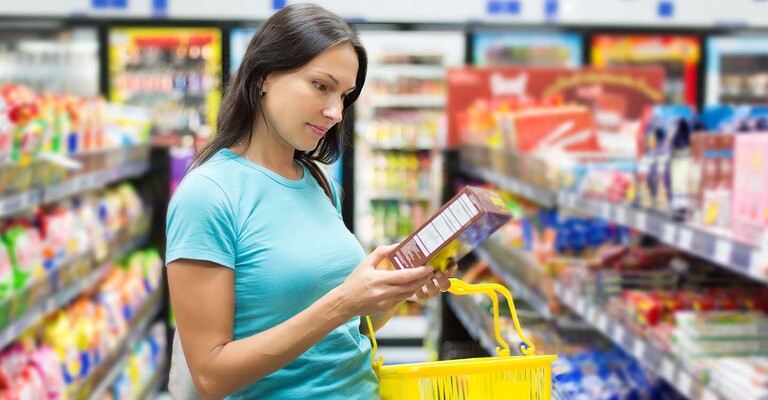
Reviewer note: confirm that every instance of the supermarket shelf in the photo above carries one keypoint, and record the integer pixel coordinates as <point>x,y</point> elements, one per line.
<point>722,250</point>
<point>544,197</point>
<point>395,195</point>
<point>103,377</point>
<point>719,249</point>
<point>153,387</point>
<point>645,352</point>
<point>519,290</point>
<point>94,180</point>
<point>12,204</point>
<point>593,314</point>
<point>20,201</point>
<point>407,71</point>
<point>62,296</point>
<point>404,327</point>
<point>401,147</point>
<point>472,320</point>
<point>408,101</point>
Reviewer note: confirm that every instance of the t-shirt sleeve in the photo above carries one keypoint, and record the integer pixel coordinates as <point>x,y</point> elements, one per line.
<point>200,223</point>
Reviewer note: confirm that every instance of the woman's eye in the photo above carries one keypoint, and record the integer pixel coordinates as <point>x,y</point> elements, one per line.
<point>320,86</point>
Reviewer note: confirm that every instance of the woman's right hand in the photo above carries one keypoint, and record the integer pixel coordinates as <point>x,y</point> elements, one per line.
<point>369,291</point>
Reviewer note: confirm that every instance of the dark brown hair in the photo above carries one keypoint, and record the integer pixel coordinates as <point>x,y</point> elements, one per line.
<point>289,39</point>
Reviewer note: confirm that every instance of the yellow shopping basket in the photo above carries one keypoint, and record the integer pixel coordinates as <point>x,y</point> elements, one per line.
<point>485,378</point>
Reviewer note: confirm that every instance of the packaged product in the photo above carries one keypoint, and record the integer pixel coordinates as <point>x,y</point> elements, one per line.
<point>455,230</point>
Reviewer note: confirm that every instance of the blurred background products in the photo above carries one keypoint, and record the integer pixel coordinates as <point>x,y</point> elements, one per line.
<point>629,140</point>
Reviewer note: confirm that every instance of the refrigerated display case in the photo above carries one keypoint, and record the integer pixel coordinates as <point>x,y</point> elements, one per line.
<point>678,55</point>
<point>400,132</point>
<point>175,72</point>
<point>527,49</point>
<point>50,58</point>
<point>737,70</point>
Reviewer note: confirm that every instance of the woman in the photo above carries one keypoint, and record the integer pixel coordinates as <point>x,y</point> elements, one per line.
<point>266,282</point>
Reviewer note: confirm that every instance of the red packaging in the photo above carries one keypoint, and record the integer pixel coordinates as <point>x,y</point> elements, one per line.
<point>713,177</point>
<point>544,129</point>
<point>457,228</point>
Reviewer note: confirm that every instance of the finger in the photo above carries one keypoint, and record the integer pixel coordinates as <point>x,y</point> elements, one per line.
<point>452,270</point>
<point>379,253</point>
<point>422,294</point>
<point>431,288</point>
<point>443,283</point>
<point>409,276</point>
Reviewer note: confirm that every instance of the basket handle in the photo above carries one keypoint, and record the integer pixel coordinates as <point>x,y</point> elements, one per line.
<point>459,287</point>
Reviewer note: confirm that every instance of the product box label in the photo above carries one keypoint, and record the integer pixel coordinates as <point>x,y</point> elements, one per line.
<point>455,230</point>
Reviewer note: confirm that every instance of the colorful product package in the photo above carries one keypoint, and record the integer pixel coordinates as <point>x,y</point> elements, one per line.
<point>457,228</point>
<point>750,191</point>
<point>653,177</point>
<point>712,177</point>
<point>26,254</point>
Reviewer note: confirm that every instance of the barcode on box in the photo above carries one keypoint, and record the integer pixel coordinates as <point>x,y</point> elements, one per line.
<point>445,224</point>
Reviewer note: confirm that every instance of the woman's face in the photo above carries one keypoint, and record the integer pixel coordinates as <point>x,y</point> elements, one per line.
<point>300,106</point>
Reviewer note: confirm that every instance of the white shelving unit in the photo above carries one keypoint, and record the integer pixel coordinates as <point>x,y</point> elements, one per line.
<point>715,246</point>
<point>391,104</point>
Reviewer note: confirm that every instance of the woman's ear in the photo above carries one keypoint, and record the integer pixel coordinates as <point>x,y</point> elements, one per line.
<point>264,85</point>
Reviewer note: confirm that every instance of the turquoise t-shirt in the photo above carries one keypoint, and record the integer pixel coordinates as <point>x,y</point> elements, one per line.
<point>288,246</point>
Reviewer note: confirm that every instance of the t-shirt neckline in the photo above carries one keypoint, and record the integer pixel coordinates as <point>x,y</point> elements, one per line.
<point>268,172</point>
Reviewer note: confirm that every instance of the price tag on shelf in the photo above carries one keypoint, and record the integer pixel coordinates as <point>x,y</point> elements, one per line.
<point>605,210</point>
<point>589,314</point>
<point>50,305</point>
<point>685,383</point>
<point>758,265</point>
<point>621,215</point>
<point>602,322</point>
<point>640,221</point>
<point>638,349</point>
<point>708,394</point>
<point>669,233</point>
<point>667,369</point>
<point>723,250</point>
<point>580,306</point>
<point>685,241</point>
<point>618,334</point>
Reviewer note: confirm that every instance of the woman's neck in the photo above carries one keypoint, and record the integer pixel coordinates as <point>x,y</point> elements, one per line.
<point>271,152</point>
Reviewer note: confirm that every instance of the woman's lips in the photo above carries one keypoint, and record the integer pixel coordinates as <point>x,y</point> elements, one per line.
<point>317,130</point>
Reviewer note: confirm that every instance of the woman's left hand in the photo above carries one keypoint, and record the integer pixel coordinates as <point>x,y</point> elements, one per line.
<point>438,283</point>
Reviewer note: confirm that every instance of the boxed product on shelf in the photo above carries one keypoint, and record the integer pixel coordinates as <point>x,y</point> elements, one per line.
<point>712,178</point>
<point>639,87</point>
<point>666,138</point>
<point>750,193</point>
<point>741,378</point>
<point>721,333</point>
<point>722,324</point>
